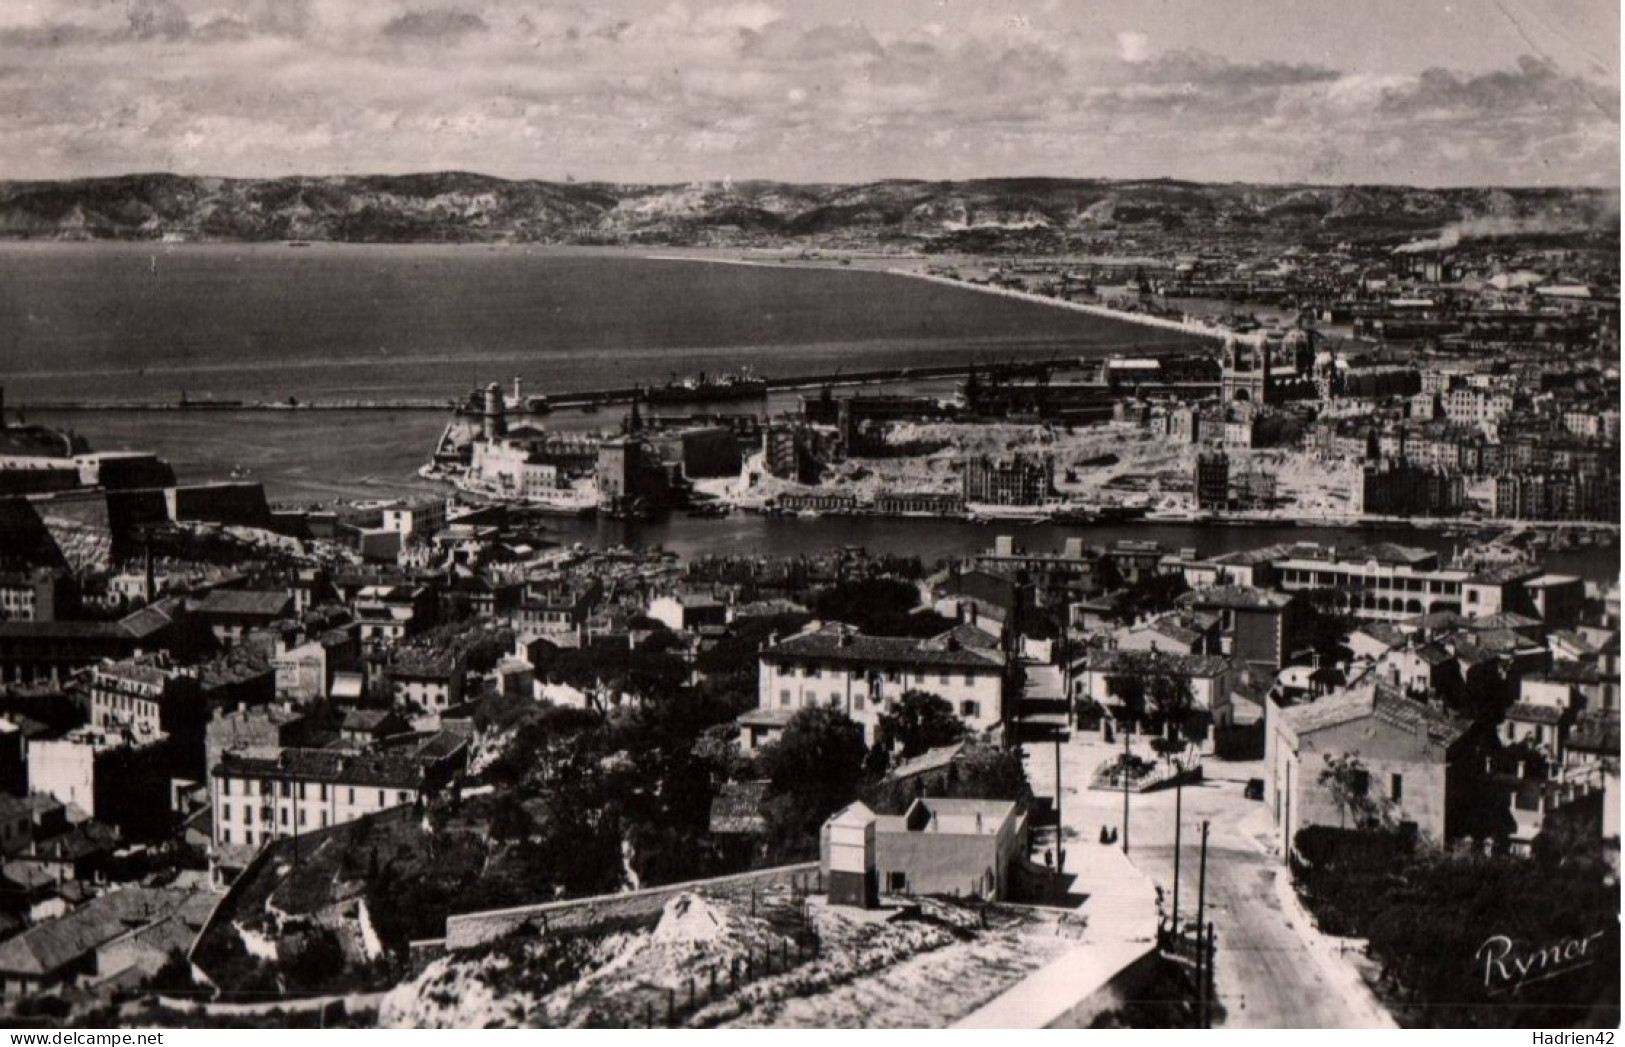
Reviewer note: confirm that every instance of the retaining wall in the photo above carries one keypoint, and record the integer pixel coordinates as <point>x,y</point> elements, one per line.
<point>466,930</point>
<point>1128,983</point>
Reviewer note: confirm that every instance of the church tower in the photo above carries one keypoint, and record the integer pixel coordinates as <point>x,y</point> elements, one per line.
<point>1246,372</point>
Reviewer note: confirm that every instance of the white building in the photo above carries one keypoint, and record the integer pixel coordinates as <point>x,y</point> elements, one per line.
<point>514,468</point>
<point>864,676</point>
<point>422,518</point>
<point>260,794</point>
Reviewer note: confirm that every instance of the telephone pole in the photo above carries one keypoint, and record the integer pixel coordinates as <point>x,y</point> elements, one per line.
<point>1060,826</point>
<point>1125,790</point>
<point>1204,961</point>
<point>1179,804</point>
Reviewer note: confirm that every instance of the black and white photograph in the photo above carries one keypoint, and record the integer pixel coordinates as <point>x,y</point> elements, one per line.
<point>838,514</point>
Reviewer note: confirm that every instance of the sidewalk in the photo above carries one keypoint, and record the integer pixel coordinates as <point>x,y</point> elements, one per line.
<point>1121,906</point>
<point>1328,955</point>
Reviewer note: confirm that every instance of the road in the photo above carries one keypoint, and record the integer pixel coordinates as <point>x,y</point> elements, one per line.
<point>1272,971</point>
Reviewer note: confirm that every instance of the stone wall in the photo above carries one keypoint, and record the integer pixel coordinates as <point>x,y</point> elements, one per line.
<point>466,930</point>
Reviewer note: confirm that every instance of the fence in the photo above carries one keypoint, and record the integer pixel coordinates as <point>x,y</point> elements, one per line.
<point>666,1007</point>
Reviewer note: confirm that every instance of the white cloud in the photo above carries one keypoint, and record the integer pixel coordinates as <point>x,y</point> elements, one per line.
<point>1133,47</point>
<point>514,87</point>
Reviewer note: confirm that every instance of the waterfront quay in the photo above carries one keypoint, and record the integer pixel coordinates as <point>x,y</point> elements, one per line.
<point>841,378</point>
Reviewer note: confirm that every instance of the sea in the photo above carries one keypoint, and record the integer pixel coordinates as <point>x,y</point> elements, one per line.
<point>264,322</point>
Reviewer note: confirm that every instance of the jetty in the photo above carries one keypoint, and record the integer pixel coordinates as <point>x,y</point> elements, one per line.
<point>1003,370</point>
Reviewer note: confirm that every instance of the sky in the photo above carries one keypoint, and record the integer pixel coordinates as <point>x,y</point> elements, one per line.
<point>1421,92</point>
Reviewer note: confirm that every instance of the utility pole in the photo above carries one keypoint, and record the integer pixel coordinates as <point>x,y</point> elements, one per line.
<point>1179,803</point>
<point>1204,962</point>
<point>1207,997</point>
<point>1125,790</point>
<point>1060,826</point>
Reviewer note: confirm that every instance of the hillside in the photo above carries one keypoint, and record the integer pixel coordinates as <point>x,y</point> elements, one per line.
<point>1033,215</point>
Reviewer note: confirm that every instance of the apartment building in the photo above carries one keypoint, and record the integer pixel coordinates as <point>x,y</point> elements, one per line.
<point>864,676</point>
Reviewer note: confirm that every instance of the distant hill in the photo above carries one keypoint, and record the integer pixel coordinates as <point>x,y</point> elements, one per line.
<point>1027,214</point>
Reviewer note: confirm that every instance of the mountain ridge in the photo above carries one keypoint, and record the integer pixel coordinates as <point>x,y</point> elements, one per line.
<point>1027,213</point>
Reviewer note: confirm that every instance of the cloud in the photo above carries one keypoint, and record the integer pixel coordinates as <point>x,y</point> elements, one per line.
<point>1133,47</point>
<point>1205,70</point>
<point>656,91</point>
<point>785,42</point>
<point>433,25</point>
<point>158,19</point>
<point>1536,86</point>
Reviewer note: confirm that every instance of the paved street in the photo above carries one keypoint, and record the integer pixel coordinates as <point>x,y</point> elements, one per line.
<point>1273,972</point>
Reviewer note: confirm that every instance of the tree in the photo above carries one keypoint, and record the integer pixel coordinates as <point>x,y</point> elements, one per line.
<point>814,769</point>
<point>1171,699</point>
<point>1130,691</point>
<point>1349,783</point>
<point>1151,594</point>
<point>920,721</point>
<point>1167,748</point>
<point>717,748</point>
<point>175,976</point>
<point>879,607</point>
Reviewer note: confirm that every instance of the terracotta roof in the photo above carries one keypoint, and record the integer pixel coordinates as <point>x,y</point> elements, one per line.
<point>1418,718</point>
<point>1376,703</point>
<point>1176,632</point>
<point>1501,574</point>
<point>1529,712</point>
<point>1236,596</point>
<point>1434,620</point>
<point>842,643</point>
<point>926,762</point>
<point>1570,672</point>
<point>430,665</point>
<point>1152,662</point>
<point>1574,639</point>
<point>1254,557</point>
<point>964,636</point>
<point>766,717</point>
<point>392,770</point>
<point>737,808</point>
<point>245,602</point>
<point>46,949</point>
<point>1391,553</point>
<point>1433,654</point>
<point>368,719</point>
<point>1503,620</point>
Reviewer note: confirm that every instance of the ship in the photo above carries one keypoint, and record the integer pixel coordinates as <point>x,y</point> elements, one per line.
<point>704,388</point>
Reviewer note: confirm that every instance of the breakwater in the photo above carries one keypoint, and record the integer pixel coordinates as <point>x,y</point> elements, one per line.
<point>592,397</point>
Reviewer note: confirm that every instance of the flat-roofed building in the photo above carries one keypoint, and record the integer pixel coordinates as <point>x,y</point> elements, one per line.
<point>1383,582</point>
